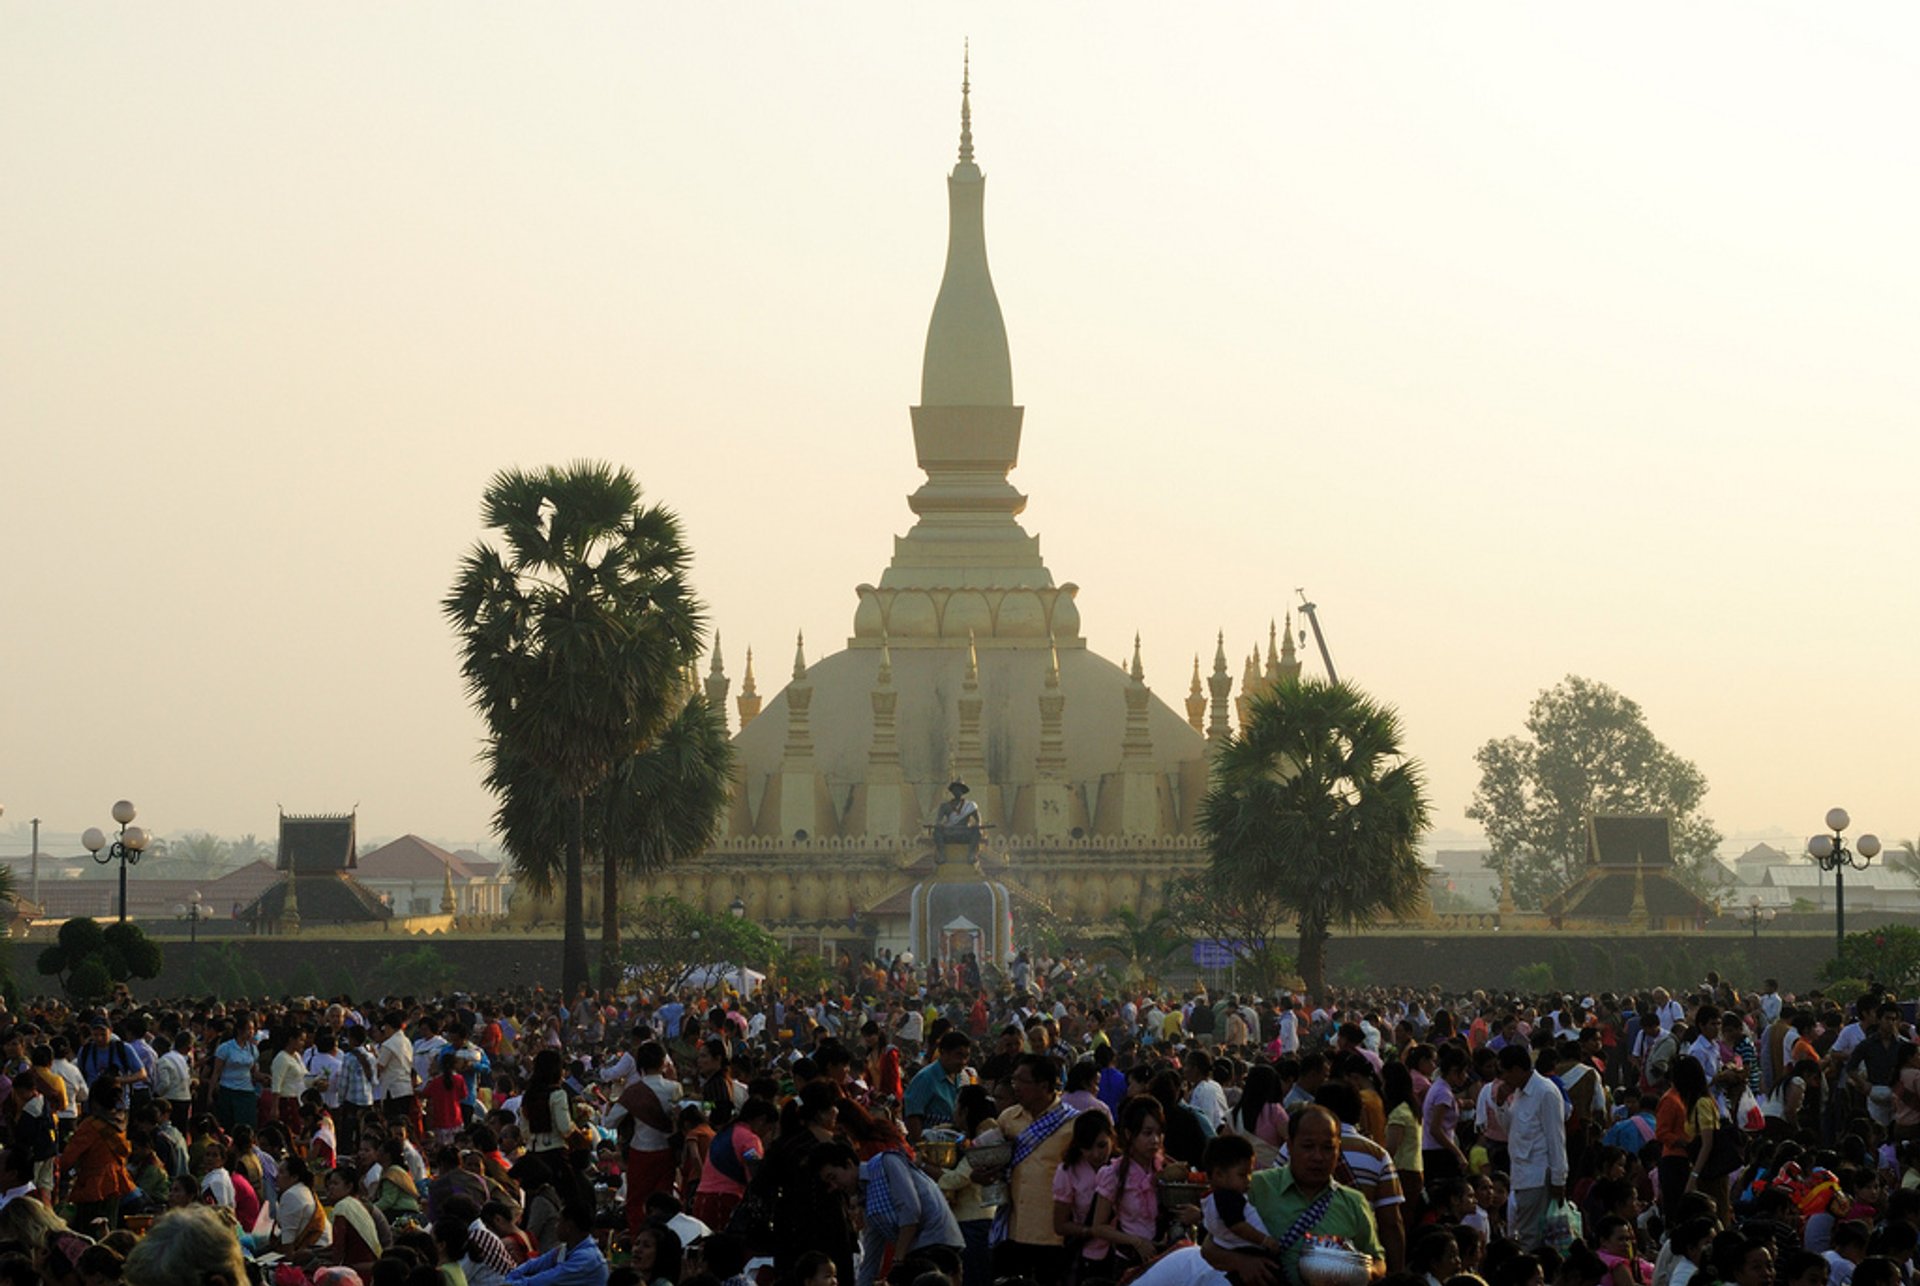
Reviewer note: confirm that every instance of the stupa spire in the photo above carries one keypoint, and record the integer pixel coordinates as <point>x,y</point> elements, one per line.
<point>1197,700</point>
<point>1273,653</point>
<point>1136,746</point>
<point>1220,685</point>
<point>966,427</point>
<point>1289,658</point>
<point>966,105</point>
<point>969,759</point>
<point>883,760</point>
<point>799,747</point>
<point>717,682</point>
<point>748,702</point>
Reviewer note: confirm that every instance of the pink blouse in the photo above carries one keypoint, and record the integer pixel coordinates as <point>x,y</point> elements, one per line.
<point>1074,1184</point>
<point>1137,1210</point>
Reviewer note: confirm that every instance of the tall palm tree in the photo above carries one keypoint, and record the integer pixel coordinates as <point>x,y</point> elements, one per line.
<point>1315,801</point>
<point>575,633</point>
<point>659,805</point>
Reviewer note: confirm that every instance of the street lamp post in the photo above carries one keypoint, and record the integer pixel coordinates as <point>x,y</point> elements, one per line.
<point>193,913</point>
<point>126,848</point>
<point>1758,915</point>
<point>1831,852</point>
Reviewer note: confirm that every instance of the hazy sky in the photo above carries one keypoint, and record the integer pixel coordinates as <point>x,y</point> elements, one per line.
<point>1531,339</point>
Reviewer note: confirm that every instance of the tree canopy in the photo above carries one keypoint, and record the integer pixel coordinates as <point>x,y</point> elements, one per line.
<point>578,631</point>
<point>1587,749</point>
<point>1315,805</point>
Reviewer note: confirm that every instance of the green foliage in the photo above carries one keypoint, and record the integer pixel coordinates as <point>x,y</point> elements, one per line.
<point>1631,970</point>
<point>804,973</point>
<point>577,629</point>
<point>1207,906</point>
<point>1315,806</point>
<point>1889,954</point>
<point>221,970</point>
<point>89,980</point>
<point>81,937</point>
<point>84,953</point>
<point>137,954</point>
<point>1587,749</point>
<point>1354,973</point>
<point>668,941</point>
<point>1140,944</point>
<point>1535,979</point>
<point>422,972</point>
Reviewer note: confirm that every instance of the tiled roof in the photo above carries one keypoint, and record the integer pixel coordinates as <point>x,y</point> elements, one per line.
<point>1617,839</point>
<point>412,858</point>
<point>1608,895</point>
<point>324,899</point>
<point>314,844</point>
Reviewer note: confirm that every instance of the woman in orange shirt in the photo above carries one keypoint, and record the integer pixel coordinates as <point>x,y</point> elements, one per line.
<point>97,1155</point>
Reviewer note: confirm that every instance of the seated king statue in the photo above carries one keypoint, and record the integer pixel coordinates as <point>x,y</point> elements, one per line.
<point>958,821</point>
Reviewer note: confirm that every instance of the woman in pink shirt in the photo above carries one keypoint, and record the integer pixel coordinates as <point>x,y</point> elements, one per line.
<point>1126,1210</point>
<point>1074,1182</point>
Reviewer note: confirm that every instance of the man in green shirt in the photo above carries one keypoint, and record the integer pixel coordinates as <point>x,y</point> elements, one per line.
<point>1282,1195</point>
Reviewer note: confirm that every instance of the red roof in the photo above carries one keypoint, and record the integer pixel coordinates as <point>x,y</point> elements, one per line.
<point>412,858</point>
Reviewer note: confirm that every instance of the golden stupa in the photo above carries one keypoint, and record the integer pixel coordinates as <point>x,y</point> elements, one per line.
<point>966,662</point>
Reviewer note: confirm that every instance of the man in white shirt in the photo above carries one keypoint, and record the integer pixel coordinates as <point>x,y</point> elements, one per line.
<point>323,1065</point>
<point>1536,1115</point>
<point>1206,1095</point>
<point>1670,1010</point>
<point>649,1102</point>
<point>393,1069</point>
<point>64,1068</point>
<point>173,1075</point>
<point>1706,1044</point>
<point>427,1050</point>
<point>1770,1001</point>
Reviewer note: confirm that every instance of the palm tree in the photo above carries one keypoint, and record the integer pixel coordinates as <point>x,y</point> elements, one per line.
<point>1314,800</point>
<point>574,640</point>
<point>1141,942</point>
<point>658,806</point>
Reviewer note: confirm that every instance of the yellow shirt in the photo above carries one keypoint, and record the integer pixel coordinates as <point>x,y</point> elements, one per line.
<point>1030,1184</point>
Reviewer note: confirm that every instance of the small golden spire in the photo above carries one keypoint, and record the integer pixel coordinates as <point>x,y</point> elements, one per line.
<point>966,107</point>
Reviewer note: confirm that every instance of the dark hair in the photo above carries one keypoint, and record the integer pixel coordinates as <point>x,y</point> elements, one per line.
<point>1088,1127</point>
<point>1262,1087</point>
<point>668,1256</point>
<point>1398,1080</point>
<point>1515,1057</point>
<point>1689,1079</point>
<point>1341,1099</point>
<point>1224,1151</point>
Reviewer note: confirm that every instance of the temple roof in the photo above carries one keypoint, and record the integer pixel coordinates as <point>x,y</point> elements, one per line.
<point>324,899</point>
<point>322,842</point>
<point>1624,840</point>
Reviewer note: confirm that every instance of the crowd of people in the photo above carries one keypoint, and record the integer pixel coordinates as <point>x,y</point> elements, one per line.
<point>918,1127</point>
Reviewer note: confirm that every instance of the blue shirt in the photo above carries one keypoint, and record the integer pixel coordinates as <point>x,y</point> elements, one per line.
<point>897,1194</point>
<point>931,1095</point>
<point>582,1265</point>
<point>237,1074</point>
<point>670,1015</point>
